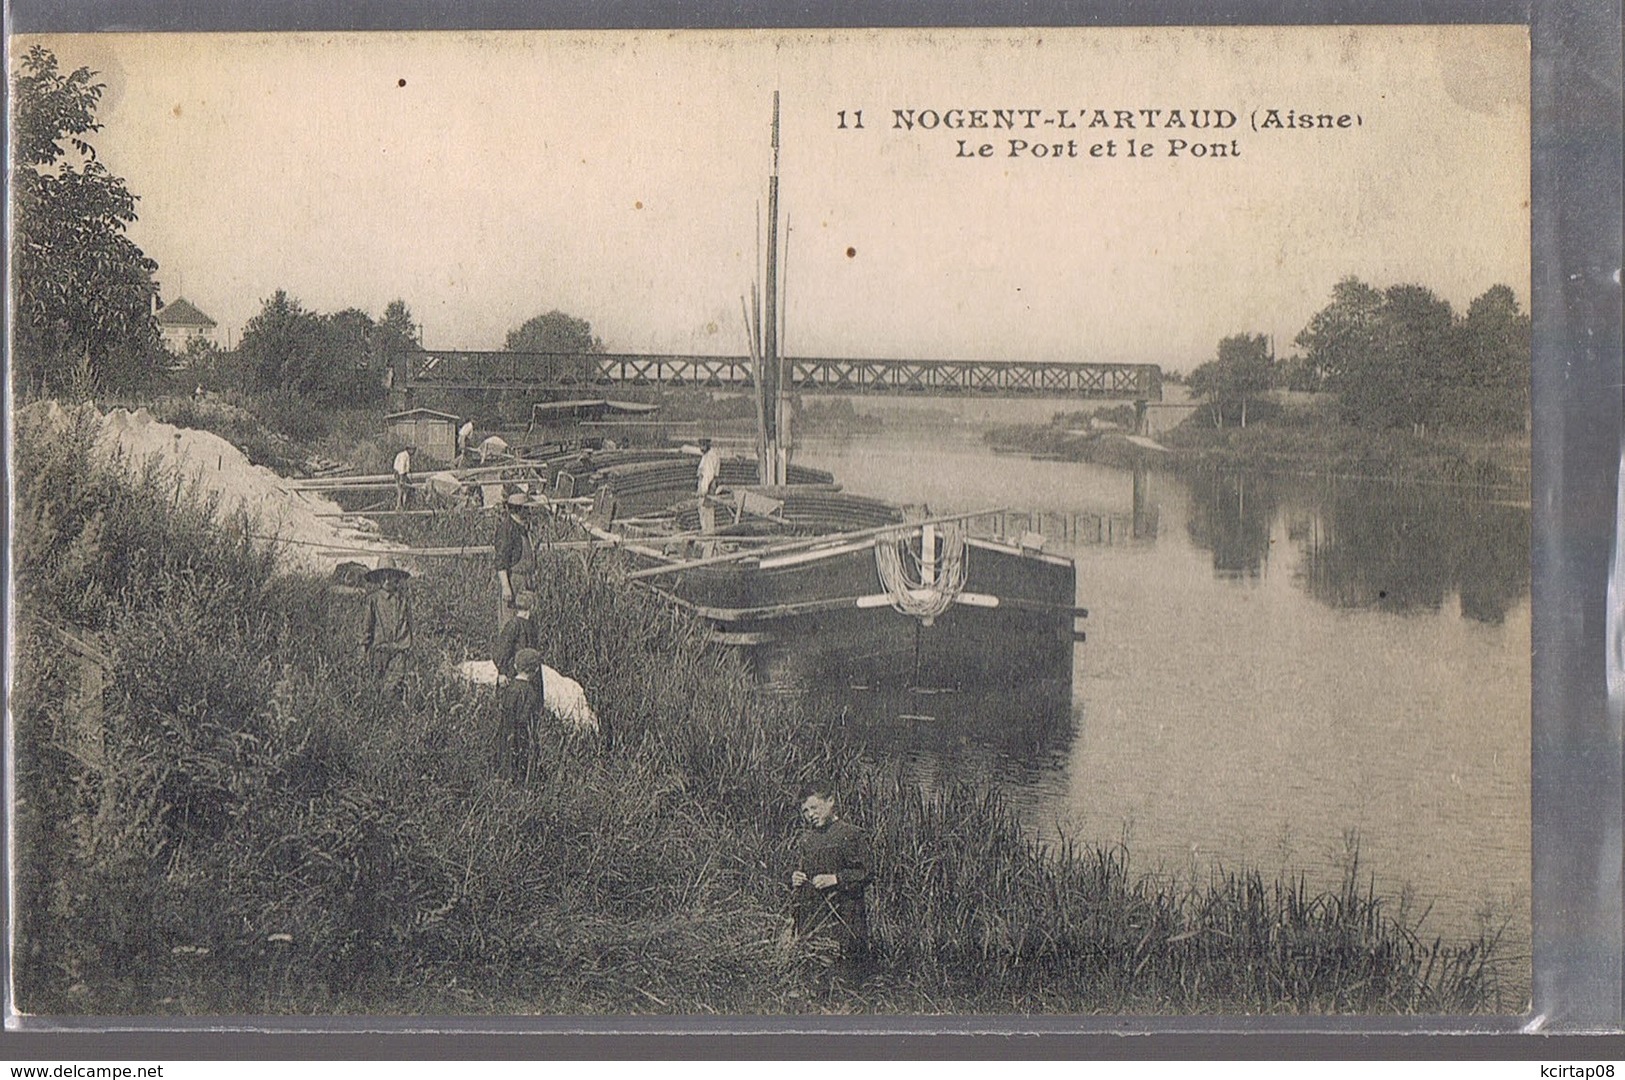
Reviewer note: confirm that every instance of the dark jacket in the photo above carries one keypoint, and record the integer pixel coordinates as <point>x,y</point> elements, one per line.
<point>841,849</point>
<point>387,621</point>
<point>518,633</point>
<point>521,712</point>
<point>512,543</point>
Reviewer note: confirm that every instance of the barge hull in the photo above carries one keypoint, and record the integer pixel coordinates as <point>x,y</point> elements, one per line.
<point>963,649</point>
<point>824,616</point>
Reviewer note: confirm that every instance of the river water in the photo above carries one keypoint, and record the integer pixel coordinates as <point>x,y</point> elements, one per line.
<point>1278,670</point>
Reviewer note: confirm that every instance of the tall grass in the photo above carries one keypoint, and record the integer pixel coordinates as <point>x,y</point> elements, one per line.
<point>282,433</point>
<point>255,829</point>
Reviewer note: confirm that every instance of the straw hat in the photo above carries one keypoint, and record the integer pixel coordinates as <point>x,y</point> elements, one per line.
<point>387,568</point>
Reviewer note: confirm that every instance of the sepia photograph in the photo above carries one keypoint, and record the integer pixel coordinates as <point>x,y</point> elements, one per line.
<point>770,523</point>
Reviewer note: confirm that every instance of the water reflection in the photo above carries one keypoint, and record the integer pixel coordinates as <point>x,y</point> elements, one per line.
<point>1230,516</point>
<point>1387,547</point>
<point>1259,679</point>
<point>1007,736</point>
<point>1147,513</point>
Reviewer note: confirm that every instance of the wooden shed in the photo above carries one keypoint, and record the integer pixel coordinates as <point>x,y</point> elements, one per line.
<point>433,433</point>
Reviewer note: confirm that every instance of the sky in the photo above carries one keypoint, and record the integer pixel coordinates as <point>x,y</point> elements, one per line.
<point>622,177</point>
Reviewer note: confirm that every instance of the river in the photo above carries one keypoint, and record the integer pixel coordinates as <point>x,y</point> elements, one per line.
<point>1278,670</point>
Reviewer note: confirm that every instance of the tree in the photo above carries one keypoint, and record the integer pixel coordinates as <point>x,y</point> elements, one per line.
<point>82,291</point>
<point>350,347</point>
<point>1249,370</point>
<point>1205,383</point>
<point>1243,372</point>
<point>397,331</point>
<point>556,332</point>
<point>279,346</point>
<point>1492,352</point>
<point>1385,352</point>
<point>1415,356</point>
<point>1342,332</point>
<point>327,359</point>
<point>1296,372</point>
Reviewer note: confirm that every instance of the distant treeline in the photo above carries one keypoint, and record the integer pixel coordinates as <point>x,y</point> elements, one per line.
<point>1396,358</point>
<point>326,359</point>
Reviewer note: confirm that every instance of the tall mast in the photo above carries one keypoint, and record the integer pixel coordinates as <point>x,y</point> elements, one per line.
<point>773,383</point>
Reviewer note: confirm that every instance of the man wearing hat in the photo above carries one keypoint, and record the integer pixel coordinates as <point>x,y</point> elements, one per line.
<point>515,558</point>
<point>521,713</point>
<point>386,629</point>
<point>520,633</point>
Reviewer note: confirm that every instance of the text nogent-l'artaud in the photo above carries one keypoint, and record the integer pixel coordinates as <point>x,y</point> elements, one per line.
<point>1012,119</point>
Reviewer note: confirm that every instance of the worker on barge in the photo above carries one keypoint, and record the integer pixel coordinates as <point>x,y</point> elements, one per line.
<point>706,484</point>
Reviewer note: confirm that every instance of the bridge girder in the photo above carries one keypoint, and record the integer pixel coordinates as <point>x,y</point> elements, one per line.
<point>448,370</point>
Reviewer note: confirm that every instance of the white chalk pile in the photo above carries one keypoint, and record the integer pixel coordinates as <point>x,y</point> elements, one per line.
<point>211,466</point>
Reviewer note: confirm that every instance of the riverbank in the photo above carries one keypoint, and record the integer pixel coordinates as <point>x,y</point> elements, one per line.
<point>253,830</point>
<point>1304,448</point>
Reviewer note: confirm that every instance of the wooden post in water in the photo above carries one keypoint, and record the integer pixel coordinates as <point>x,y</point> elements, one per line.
<point>1139,525</point>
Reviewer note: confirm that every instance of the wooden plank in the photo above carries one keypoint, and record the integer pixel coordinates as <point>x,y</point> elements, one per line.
<point>398,513</point>
<point>803,543</point>
<point>772,611</point>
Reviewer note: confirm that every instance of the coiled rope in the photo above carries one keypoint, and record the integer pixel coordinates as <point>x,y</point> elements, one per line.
<point>905,585</point>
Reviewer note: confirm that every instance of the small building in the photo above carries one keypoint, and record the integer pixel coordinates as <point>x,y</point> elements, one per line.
<point>180,322</point>
<point>433,433</point>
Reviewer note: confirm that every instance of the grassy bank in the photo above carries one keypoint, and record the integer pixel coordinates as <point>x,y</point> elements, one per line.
<point>249,828</point>
<point>1305,442</point>
<point>1338,450</point>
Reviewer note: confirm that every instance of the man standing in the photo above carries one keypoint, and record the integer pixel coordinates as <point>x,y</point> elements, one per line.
<point>386,629</point>
<point>833,870</point>
<point>706,484</point>
<point>515,557</point>
<point>521,714</point>
<point>403,476</point>
<point>519,634</point>
<point>710,466</point>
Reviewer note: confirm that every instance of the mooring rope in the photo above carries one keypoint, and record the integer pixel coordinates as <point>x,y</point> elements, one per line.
<point>910,594</point>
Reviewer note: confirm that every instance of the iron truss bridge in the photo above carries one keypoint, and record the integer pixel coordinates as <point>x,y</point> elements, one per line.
<point>485,371</point>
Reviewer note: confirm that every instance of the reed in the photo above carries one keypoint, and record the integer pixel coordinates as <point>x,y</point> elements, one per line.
<point>248,826</point>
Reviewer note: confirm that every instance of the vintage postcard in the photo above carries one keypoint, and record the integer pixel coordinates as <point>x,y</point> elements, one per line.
<point>920,522</point>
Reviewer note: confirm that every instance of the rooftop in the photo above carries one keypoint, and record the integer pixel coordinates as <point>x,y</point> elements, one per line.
<point>181,312</point>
